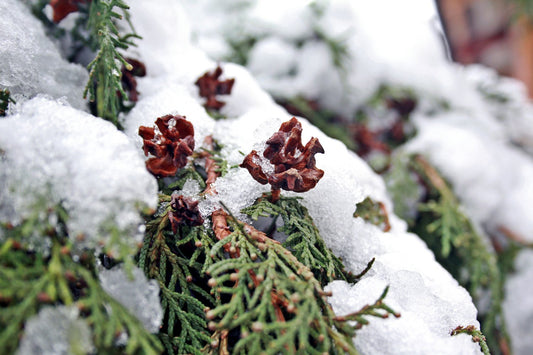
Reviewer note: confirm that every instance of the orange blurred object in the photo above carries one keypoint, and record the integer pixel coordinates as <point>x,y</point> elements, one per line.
<point>485,31</point>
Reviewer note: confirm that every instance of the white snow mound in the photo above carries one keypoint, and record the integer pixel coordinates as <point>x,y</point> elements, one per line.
<point>54,154</point>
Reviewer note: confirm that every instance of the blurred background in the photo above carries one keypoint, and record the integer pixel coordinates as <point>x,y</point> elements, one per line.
<point>496,33</point>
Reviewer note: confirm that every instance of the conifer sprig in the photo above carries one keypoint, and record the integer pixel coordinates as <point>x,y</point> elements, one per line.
<point>373,212</point>
<point>459,246</point>
<point>5,99</point>
<point>275,302</point>
<point>104,86</point>
<point>173,260</point>
<point>477,336</point>
<point>30,280</point>
<point>261,298</point>
<point>109,318</point>
<point>303,237</point>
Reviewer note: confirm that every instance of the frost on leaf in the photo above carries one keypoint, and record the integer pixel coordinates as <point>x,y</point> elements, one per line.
<point>184,212</point>
<point>170,144</point>
<point>210,86</point>
<point>294,164</point>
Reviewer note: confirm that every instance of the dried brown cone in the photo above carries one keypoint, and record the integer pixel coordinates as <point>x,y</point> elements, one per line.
<point>368,141</point>
<point>170,146</point>
<point>404,106</point>
<point>129,83</point>
<point>294,164</point>
<point>210,86</point>
<point>61,8</point>
<point>184,212</point>
<point>251,162</point>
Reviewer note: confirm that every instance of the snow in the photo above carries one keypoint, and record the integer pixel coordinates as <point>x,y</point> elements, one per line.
<point>491,176</point>
<point>54,154</point>
<point>98,173</point>
<point>56,331</point>
<point>518,304</point>
<point>402,260</point>
<point>382,46</point>
<point>475,126</point>
<point>419,308</point>
<point>139,295</point>
<point>31,63</point>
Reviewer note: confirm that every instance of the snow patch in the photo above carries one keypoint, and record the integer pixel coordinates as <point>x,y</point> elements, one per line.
<point>54,154</point>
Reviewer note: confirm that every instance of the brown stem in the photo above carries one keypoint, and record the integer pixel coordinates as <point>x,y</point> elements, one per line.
<point>210,166</point>
<point>275,195</point>
<point>432,175</point>
<point>509,234</point>
<point>277,309</point>
<point>220,226</point>
<point>224,342</point>
<point>386,215</point>
<point>257,235</point>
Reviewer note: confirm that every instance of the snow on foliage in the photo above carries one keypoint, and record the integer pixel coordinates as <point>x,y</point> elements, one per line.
<point>402,260</point>
<point>56,331</point>
<point>31,64</point>
<point>519,303</point>
<point>54,154</point>
<point>138,294</point>
<point>475,126</point>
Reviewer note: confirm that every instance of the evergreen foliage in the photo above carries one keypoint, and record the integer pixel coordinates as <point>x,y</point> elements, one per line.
<point>240,49</point>
<point>175,261</point>
<point>460,248</point>
<point>476,335</point>
<point>5,99</point>
<point>97,28</point>
<point>403,188</point>
<point>227,287</point>
<point>275,302</point>
<point>303,237</point>
<point>373,212</point>
<point>440,221</point>
<point>246,292</point>
<point>178,262</point>
<point>104,86</point>
<point>30,280</point>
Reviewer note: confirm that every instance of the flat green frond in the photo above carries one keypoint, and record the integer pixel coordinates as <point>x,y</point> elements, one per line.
<point>110,318</point>
<point>477,336</point>
<point>378,309</point>
<point>104,86</point>
<point>29,281</point>
<point>303,237</point>
<point>184,175</point>
<point>461,248</point>
<point>275,303</point>
<point>5,99</point>
<point>176,262</point>
<point>373,212</point>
